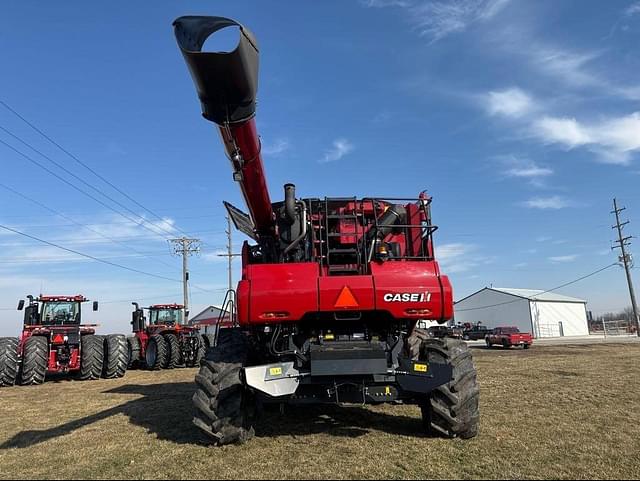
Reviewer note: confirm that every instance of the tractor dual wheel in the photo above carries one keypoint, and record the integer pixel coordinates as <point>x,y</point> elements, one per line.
<point>91,357</point>
<point>174,357</point>
<point>8,361</point>
<point>224,408</point>
<point>157,353</point>
<point>116,356</point>
<point>133,352</point>
<point>452,410</point>
<point>35,358</point>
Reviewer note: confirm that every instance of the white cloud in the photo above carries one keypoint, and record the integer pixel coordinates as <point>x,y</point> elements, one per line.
<point>568,258</point>
<point>561,130</point>
<point>438,19</point>
<point>512,102</point>
<point>523,168</point>
<point>632,9</point>
<point>614,139</point>
<point>385,3</point>
<point>554,202</point>
<point>278,147</point>
<point>339,149</point>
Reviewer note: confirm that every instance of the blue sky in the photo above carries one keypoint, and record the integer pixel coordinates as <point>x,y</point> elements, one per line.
<point>522,120</point>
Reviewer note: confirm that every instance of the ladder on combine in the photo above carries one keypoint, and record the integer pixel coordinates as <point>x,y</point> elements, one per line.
<point>343,258</point>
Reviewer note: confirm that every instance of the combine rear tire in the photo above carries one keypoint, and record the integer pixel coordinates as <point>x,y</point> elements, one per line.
<point>133,348</point>
<point>116,356</point>
<point>175,356</point>
<point>156,355</point>
<point>35,358</point>
<point>452,410</point>
<point>224,408</point>
<point>91,357</point>
<point>8,361</point>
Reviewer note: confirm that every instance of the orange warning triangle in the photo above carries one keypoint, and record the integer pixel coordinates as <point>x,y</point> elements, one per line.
<point>346,299</point>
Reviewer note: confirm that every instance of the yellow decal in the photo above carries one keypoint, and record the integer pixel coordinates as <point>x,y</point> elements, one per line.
<point>387,391</point>
<point>275,371</point>
<point>420,367</point>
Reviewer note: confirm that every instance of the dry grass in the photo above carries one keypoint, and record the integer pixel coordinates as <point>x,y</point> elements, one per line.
<point>551,412</point>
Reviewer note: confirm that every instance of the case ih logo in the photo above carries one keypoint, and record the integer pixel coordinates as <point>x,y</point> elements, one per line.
<point>407,297</point>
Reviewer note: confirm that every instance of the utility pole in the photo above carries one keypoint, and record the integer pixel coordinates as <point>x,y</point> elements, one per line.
<point>185,247</point>
<point>623,242</point>
<point>229,255</point>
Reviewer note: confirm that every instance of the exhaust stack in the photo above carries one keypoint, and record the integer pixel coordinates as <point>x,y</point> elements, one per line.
<point>227,83</point>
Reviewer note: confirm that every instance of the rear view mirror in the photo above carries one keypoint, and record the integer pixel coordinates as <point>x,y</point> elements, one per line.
<point>95,306</point>
<point>21,304</point>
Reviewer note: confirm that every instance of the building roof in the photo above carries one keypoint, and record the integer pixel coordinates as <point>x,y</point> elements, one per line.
<point>208,313</point>
<point>537,294</point>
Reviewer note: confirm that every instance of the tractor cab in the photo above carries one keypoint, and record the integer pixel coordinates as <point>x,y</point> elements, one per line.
<point>167,315</point>
<point>54,310</point>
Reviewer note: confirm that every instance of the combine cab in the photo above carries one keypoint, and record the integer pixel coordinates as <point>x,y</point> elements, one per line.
<point>164,340</point>
<point>332,289</point>
<point>54,341</point>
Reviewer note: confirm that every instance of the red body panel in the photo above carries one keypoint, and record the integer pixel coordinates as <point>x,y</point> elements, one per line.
<point>272,293</point>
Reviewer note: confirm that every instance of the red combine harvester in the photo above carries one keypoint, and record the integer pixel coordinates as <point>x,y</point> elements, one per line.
<point>166,341</point>
<point>332,289</point>
<point>53,341</point>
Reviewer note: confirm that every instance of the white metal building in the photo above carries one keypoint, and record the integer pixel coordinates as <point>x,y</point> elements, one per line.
<point>542,314</point>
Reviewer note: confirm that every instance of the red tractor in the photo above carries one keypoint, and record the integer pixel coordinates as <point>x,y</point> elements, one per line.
<point>332,289</point>
<point>165,341</point>
<point>54,341</point>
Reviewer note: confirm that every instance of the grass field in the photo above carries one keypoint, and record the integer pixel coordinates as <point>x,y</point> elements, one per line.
<point>550,412</point>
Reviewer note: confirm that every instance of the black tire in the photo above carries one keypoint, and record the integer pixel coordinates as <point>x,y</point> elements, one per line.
<point>133,352</point>
<point>209,340</point>
<point>8,361</point>
<point>489,345</point>
<point>452,410</point>
<point>35,359</point>
<point>526,346</point>
<point>116,356</point>
<point>157,353</point>
<point>91,357</point>
<point>505,344</point>
<point>174,358</point>
<point>224,408</point>
<point>202,351</point>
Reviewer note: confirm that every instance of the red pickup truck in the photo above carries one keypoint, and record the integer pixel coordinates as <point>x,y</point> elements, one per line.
<point>509,336</point>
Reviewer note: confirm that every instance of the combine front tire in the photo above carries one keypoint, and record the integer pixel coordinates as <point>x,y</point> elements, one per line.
<point>452,410</point>
<point>174,358</point>
<point>156,354</point>
<point>35,358</point>
<point>91,357</point>
<point>8,361</point>
<point>224,408</point>
<point>116,356</point>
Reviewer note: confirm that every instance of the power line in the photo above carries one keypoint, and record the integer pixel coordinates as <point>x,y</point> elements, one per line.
<point>540,293</point>
<point>103,179</point>
<point>97,259</point>
<point>30,159</point>
<point>53,211</point>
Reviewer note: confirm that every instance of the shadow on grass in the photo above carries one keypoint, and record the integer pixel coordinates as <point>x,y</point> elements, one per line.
<point>166,411</point>
<point>339,421</point>
<point>163,409</point>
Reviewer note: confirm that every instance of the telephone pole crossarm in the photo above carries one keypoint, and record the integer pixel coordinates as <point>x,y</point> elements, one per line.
<point>185,247</point>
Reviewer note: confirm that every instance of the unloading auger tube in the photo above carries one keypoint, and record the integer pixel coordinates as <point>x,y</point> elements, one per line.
<point>227,83</point>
